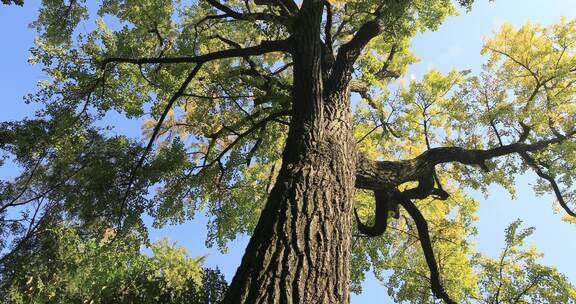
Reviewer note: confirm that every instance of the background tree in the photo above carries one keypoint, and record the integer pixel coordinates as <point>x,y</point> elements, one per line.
<point>516,277</point>
<point>250,118</point>
<point>71,270</point>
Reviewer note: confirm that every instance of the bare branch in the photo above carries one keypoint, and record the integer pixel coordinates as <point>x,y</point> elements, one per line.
<point>423,233</point>
<point>15,202</point>
<point>532,163</point>
<point>263,48</point>
<point>289,6</point>
<point>250,16</point>
<point>157,129</point>
<point>258,125</point>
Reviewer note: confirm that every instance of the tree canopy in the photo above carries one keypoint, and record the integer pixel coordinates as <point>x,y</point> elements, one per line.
<point>213,85</point>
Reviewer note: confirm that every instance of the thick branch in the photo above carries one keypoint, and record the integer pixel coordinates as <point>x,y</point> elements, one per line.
<point>349,52</point>
<point>383,204</point>
<point>328,40</point>
<point>423,234</point>
<point>424,189</point>
<point>387,203</point>
<point>265,47</point>
<point>374,175</point>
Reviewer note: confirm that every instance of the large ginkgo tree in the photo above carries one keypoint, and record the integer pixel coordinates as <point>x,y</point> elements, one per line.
<point>288,120</point>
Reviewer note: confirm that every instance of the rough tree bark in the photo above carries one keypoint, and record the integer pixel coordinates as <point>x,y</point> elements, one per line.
<point>300,249</point>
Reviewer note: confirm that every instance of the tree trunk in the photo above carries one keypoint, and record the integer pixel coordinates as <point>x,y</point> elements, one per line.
<point>300,249</point>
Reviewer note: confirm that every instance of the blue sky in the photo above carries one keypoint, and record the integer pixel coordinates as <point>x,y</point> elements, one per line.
<point>455,45</point>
